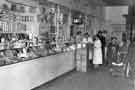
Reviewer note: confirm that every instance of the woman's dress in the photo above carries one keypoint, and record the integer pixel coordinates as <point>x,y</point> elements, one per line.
<point>97,57</point>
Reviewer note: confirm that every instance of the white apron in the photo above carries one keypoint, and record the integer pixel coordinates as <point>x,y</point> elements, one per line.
<point>97,57</point>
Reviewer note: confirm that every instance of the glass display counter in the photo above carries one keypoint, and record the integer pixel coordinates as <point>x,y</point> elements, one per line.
<point>40,64</point>
<point>25,63</point>
<point>19,52</point>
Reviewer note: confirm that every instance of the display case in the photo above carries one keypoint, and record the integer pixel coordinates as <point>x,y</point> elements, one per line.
<point>39,44</point>
<point>23,50</point>
<point>17,41</point>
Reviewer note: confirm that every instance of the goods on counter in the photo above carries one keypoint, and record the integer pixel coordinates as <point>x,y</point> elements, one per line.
<point>27,53</point>
<point>19,44</point>
<point>9,57</point>
<point>72,47</point>
<point>40,51</point>
<point>7,60</point>
<point>2,61</point>
<point>32,54</point>
<point>10,60</point>
<point>9,53</point>
<point>23,54</point>
<point>2,46</point>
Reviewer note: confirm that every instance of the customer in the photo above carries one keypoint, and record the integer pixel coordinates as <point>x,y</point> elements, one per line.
<point>103,44</point>
<point>123,49</point>
<point>131,60</point>
<point>78,37</point>
<point>89,45</point>
<point>112,51</point>
<point>97,57</point>
<point>104,34</point>
<point>90,40</point>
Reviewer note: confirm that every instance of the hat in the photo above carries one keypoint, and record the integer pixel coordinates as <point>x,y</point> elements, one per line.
<point>99,31</point>
<point>113,38</point>
<point>104,31</point>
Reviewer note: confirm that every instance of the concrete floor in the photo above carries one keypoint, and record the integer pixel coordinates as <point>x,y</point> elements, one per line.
<point>92,80</point>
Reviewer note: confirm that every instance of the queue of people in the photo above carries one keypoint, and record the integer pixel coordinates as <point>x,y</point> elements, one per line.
<point>106,51</point>
<point>111,53</point>
<point>99,49</point>
<point>117,56</point>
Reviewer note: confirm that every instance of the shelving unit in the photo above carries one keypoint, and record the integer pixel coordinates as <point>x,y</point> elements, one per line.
<point>56,28</point>
<point>13,22</point>
<point>61,26</point>
<point>15,26</point>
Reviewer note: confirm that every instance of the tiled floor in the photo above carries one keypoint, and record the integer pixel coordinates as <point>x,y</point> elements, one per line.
<point>92,80</point>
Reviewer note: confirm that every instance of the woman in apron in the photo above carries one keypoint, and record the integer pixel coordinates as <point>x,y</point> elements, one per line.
<point>97,57</point>
<point>112,51</point>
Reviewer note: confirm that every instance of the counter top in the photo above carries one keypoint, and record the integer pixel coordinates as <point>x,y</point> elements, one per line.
<point>30,74</point>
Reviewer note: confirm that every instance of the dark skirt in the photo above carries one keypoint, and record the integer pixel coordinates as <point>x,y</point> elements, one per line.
<point>132,71</point>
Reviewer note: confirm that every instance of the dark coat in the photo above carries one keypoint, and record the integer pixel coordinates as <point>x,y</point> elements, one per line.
<point>112,52</point>
<point>103,40</point>
<point>131,54</point>
<point>131,60</point>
